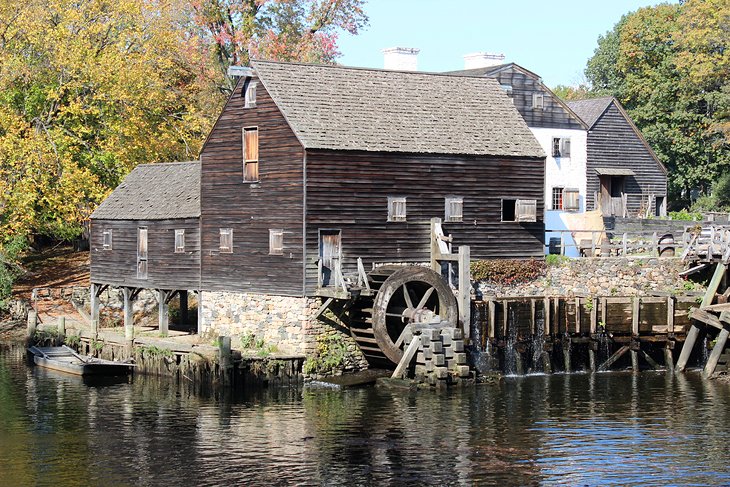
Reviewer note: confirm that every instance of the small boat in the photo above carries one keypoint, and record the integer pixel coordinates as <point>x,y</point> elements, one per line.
<point>66,360</point>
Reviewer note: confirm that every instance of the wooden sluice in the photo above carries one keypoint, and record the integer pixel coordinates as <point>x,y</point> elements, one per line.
<point>544,334</point>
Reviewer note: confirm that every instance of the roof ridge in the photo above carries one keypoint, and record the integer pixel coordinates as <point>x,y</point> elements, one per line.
<point>361,68</point>
<point>167,163</point>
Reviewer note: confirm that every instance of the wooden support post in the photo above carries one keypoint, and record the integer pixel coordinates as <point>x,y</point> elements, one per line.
<point>719,345</point>
<point>405,361</point>
<point>128,313</point>
<point>94,292</point>
<point>668,359</point>
<point>650,360</point>
<point>714,285</point>
<point>200,312</point>
<point>613,358</point>
<point>184,316</point>
<point>225,359</point>
<point>61,327</point>
<point>32,323</point>
<point>635,360</point>
<point>577,315</point>
<point>533,327</point>
<point>594,316</point>
<point>556,314</point>
<point>566,353</point>
<point>465,289</point>
<point>604,312</point>
<point>492,318</point>
<point>546,313</point>
<point>670,314</point>
<point>163,312</point>
<point>518,363</point>
<point>635,307</point>
<point>591,358</point>
<point>689,343</point>
<point>505,319</point>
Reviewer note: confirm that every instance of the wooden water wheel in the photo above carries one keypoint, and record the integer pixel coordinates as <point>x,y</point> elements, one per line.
<point>404,295</point>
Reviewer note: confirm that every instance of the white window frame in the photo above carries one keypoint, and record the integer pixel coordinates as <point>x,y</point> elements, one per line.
<point>251,161</point>
<point>552,197</point>
<point>276,241</point>
<point>249,97</point>
<point>394,203</point>
<point>179,240</point>
<point>106,242</point>
<point>452,203</point>
<point>538,101</point>
<point>226,233</point>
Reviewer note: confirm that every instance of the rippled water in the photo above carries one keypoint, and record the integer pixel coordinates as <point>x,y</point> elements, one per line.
<point>603,429</point>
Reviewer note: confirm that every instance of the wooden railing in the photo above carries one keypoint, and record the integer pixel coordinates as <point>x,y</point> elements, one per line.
<point>604,243</point>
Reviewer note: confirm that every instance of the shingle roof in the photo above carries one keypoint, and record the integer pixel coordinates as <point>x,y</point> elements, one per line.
<point>590,110</point>
<point>339,108</point>
<point>485,71</point>
<point>155,192</point>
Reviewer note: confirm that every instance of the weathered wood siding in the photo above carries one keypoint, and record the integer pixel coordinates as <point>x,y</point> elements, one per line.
<point>553,115</point>
<point>613,143</point>
<point>165,268</point>
<point>251,209</point>
<point>349,191</point>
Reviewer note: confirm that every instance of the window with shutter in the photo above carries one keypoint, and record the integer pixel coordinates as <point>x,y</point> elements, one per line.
<point>396,209</point>
<point>250,154</point>
<point>454,209</point>
<point>276,241</point>
<point>226,240</point>
<point>526,210</point>
<point>538,101</point>
<point>107,239</point>
<point>565,147</point>
<point>179,241</point>
<point>250,95</point>
<point>571,199</point>
<point>556,146</point>
<point>142,253</point>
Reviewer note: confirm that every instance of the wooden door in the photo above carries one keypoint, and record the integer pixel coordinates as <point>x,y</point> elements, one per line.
<point>329,254</point>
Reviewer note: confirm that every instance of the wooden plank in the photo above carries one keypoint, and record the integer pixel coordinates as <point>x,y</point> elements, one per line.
<point>613,358</point>
<point>705,318</point>
<point>163,312</point>
<point>128,313</point>
<point>405,361</point>
<point>635,307</point>
<point>492,305</point>
<point>670,314</point>
<point>464,298</point>
<point>546,312</point>
<point>717,307</point>
<point>594,317</point>
<point>650,360</point>
<point>717,277</point>
<point>689,343</point>
<point>577,315</point>
<point>533,326</point>
<point>717,350</point>
<point>604,311</point>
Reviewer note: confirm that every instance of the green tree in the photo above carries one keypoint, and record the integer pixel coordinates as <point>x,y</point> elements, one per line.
<point>681,106</point>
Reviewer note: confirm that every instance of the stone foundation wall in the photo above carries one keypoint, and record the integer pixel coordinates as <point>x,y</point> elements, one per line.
<point>607,276</point>
<point>284,321</point>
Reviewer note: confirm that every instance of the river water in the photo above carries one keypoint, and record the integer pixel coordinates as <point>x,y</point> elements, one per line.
<point>604,429</point>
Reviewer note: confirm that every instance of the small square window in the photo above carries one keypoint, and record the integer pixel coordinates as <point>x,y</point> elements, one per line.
<point>249,100</point>
<point>571,199</point>
<point>396,209</point>
<point>179,241</point>
<point>538,101</point>
<point>516,210</point>
<point>557,198</point>
<point>226,240</point>
<point>561,147</point>
<point>107,239</point>
<point>276,241</point>
<point>251,154</point>
<point>454,209</point>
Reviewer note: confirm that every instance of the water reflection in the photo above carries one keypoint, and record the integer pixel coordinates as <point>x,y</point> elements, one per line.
<point>607,429</point>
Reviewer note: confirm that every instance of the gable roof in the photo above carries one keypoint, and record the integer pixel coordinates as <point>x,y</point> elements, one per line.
<point>342,108</point>
<point>155,192</point>
<point>590,110</point>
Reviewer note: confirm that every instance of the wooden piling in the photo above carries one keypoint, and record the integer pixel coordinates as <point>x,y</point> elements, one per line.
<point>128,313</point>
<point>94,290</point>
<point>668,358</point>
<point>492,318</point>
<point>635,360</point>
<point>670,314</point>
<point>225,359</point>
<point>719,345</point>
<point>163,312</point>
<point>566,353</point>
<point>61,327</point>
<point>591,358</point>
<point>32,323</point>
<point>464,298</point>
<point>613,358</point>
<point>577,315</point>
<point>546,313</point>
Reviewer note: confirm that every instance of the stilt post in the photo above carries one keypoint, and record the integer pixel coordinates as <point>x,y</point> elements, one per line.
<point>225,358</point>
<point>719,345</point>
<point>32,323</point>
<point>163,312</point>
<point>94,309</point>
<point>128,313</point>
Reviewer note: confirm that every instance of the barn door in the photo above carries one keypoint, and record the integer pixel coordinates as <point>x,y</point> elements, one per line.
<point>329,256</point>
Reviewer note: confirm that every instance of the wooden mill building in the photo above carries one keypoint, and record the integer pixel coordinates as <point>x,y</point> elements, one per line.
<point>310,168</point>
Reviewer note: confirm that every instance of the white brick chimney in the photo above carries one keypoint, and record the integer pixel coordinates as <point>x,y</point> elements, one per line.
<point>401,58</point>
<point>482,60</point>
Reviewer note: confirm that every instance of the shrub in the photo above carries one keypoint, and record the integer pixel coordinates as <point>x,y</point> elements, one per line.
<point>684,215</point>
<point>721,192</point>
<point>555,260</point>
<point>330,356</point>
<point>508,271</point>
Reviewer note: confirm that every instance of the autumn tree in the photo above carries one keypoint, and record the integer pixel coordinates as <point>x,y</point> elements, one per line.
<point>669,66</point>
<point>282,30</point>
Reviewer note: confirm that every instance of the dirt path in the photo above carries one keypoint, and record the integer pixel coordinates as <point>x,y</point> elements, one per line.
<point>55,267</point>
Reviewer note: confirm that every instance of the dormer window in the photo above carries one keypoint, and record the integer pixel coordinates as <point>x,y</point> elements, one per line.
<point>538,101</point>
<point>507,89</point>
<point>249,100</point>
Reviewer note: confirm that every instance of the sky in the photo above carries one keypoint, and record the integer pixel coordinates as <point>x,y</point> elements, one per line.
<point>553,38</point>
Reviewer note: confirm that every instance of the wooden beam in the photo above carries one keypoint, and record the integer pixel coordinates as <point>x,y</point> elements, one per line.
<point>689,343</point>
<point>714,284</point>
<point>716,352</point>
<point>670,314</point>
<point>128,313</point>
<point>604,312</point>
<point>717,307</point>
<point>668,359</point>
<point>492,305</point>
<point>323,308</point>
<point>464,298</point>
<point>225,359</point>
<point>533,326</point>
<point>163,312</point>
<point>650,360</point>
<point>577,315</point>
<point>94,291</point>
<point>546,313</point>
<point>635,307</point>
<point>613,358</point>
<point>408,355</point>
<point>594,316</point>
<point>705,318</point>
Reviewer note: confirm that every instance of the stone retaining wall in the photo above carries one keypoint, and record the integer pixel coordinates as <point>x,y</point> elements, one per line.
<point>606,276</point>
<point>284,321</point>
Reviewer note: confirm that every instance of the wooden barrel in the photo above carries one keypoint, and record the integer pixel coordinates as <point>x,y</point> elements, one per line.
<point>666,245</point>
